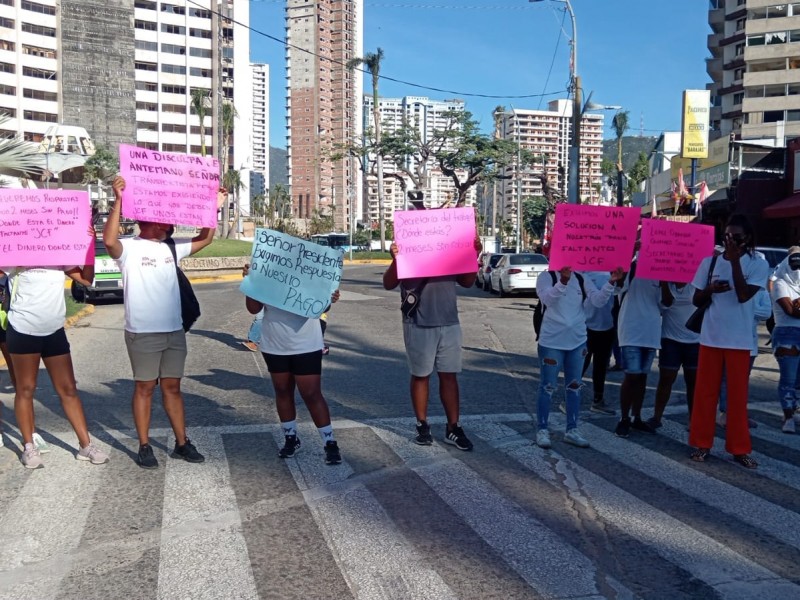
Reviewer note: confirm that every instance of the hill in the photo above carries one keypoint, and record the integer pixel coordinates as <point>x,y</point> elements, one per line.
<point>631,146</point>
<point>277,166</point>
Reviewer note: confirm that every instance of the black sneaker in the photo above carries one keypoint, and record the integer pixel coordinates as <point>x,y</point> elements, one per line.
<point>290,446</point>
<point>423,437</point>
<point>623,429</point>
<point>332,455</point>
<point>187,452</point>
<point>457,438</point>
<point>146,458</point>
<point>643,426</point>
<point>654,423</point>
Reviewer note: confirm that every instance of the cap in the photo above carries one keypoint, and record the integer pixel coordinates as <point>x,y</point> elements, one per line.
<point>794,250</point>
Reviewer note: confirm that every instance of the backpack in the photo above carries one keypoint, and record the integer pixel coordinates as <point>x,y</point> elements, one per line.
<point>190,307</point>
<point>538,310</point>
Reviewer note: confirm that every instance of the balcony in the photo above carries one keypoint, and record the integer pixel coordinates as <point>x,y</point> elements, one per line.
<point>716,19</point>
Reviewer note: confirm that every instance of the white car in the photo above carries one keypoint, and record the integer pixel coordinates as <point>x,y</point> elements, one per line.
<point>517,273</point>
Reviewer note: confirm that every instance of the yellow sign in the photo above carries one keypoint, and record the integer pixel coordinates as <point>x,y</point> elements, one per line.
<point>694,127</point>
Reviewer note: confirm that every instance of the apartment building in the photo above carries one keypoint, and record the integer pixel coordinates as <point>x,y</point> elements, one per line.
<point>323,107</point>
<point>259,176</point>
<point>754,68</point>
<point>125,69</point>
<point>548,134</point>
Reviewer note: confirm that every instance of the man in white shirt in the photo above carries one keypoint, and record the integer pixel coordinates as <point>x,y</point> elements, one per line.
<point>154,332</point>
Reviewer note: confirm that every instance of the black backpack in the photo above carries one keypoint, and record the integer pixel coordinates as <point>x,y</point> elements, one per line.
<point>538,310</point>
<point>190,307</point>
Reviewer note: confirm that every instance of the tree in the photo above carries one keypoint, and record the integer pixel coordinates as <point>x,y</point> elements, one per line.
<point>638,173</point>
<point>320,223</point>
<point>620,125</point>
<point>18,157</point>
<point>372,62</point>
<point>199,102</point>
<point>229,114</point>
<point>258,209</point>
<point>534,214</point>
<point>232,180</point>
<point>101,165</point>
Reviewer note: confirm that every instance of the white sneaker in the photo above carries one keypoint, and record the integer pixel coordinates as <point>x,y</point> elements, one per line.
<point>788,426</point>
<point>722,419</point>
<point>39,443</point>
<point>31,458</point>
<point>93,454</point>
<point>576,439</point>
<point>562,407</point>
<point>543,439</point>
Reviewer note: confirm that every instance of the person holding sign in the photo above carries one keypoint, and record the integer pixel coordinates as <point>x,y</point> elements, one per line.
<point>36,333</point>
<point>562,343</point>
<point>154,334</point>
<point>726,339</point>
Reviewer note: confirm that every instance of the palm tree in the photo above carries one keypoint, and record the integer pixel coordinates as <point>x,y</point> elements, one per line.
<point>18,157</point>
<point>372,62</point>
<point>229,114</point>
<point>200,107</point>
<point>232,180</point>
<point>620,126</point>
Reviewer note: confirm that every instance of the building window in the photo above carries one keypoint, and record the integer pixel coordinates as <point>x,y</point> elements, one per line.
<point>198,72</point>
<point>173,108</point>
<point>152,106</point>
<point>8,90</point>
<point>173,128</point>
<point>738,98</point>
<point>148,145</point>
<point>201,13</point>
<point>145,4</point>
<point>227,52</point>
<point>200,33</point>
<point>39,95</point>
<point>146,86</point>
<point>149,46</point>
<point>145,126</point>
<point>140,65</point>
<point>11,113</point>
<point>38,73</point>
<point>176,29</point>
<point>38,8</point>
<point>35,115</point>
<point>200,52</point>
<point>172,9</point>
<point>793,115</point>
<point>174,69</point>
<point>7,2</point>
<point>173,147</point>
<point>777,11</point>
<point>174,89</point>
<point>739,49</point>
<point>773,91</point>
<point>173,49</point>
<point>738,74</point>
<point>146,25</point>
<point>773,116</point>
<point>37,51</point>
<point>7,45</point>
<point>7,23</point>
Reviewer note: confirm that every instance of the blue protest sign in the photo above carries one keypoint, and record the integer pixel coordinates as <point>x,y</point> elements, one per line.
<point>292,274</point>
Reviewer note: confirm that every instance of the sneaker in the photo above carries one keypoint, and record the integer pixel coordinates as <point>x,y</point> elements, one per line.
<point>575,438</point>
<point>457,438</point>
<point>31,459</point>
<point>654,423</point>
<point>252,346</point>
<point>93,454</point>
<point>562,407</point>
<point>623,428</point>
<point>543,439</point>
<point>423,437</point>
<point>788,426</point>
<point>615,368</point>
<point>722,419</point>
<point>146,458</point>
<point>599,406</point>
<point>187,452</point>
<point>643,426</point>
<point>291,445</point>
<point>332,455</point>
<point>38,443</point>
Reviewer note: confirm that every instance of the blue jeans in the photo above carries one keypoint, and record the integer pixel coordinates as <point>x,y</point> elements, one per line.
<point>787,338</point>
<point>637,360</point>
<point>254,335</point>
<point>551,362</point>
<point>723,388</point>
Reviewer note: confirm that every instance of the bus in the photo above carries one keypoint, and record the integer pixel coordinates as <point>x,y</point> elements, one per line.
<point>338,241</point>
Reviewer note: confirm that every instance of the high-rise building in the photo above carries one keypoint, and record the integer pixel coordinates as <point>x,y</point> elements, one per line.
<point>548,134</point>
<point>754,68</point>
<point>125,69</point>
<point>323,107</point>
<point>259,176</point>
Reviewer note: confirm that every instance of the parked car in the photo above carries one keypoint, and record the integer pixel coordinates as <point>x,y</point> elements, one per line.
<point>107,277</point>
<point>485,268</point>
<point>774,256</point>
<point>517,273</point>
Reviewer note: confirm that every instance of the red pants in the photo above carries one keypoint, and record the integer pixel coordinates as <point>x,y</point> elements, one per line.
<point>706,396</point>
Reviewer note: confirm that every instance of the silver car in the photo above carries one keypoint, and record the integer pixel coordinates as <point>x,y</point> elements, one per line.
<point>517,273</point>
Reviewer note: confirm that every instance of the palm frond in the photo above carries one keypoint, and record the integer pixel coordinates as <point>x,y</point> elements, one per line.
<point>18,156</point>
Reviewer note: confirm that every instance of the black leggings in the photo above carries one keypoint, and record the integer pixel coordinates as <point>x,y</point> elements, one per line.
<point>598,351</point>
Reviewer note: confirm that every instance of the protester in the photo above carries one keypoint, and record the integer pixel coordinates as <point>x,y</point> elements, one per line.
<point>726,340</point>
<point>432,340</point>
<point>292,348</point>
<point>154,334</point>
<point>5,299</point>
<point>680,347</point>
<point>36,333</point>
<point>254,333</point>
<point>786,337</point>
<point>562,343</point>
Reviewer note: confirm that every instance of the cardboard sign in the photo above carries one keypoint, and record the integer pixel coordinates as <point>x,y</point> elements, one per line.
<point>44,228</point>
<point>672,251</point>
<point>593,238</point>
<point>167,187</point>
<point>292,274</point>
<point>435,242</point>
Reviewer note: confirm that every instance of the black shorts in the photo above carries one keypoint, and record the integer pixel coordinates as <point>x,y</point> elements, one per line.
<point>309,363</point>
<point>55,344</point>
<point>3,335</point>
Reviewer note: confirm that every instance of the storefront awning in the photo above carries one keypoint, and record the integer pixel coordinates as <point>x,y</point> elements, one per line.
<point>784,209</point>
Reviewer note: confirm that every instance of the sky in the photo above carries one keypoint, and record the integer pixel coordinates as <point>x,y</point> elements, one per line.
<point>638,54</point>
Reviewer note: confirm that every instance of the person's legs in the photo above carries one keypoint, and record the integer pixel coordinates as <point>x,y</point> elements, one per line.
<point>666,378</point>
<point>550,364</point>
<point>786,348</point>
<point>172,399</point>
<point>449,394</point>
<point>9,363</point>
<point>706,394</point>
<point>63,377</point>
<point>646,363</point>
<point>254,334</point>
<point>142,404</point>
<point>27,371</point>
<point>604,341</point>
<point>573,361</point>
<point>284,385</point>
<point>310,388</point>
<point>737,435</point>
<point>590,343</point>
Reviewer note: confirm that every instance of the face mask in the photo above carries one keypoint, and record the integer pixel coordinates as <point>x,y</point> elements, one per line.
<point>794,262</point>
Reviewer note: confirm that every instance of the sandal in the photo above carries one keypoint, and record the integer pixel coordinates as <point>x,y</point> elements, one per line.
<point>745,461</point>
<point>701,454</point>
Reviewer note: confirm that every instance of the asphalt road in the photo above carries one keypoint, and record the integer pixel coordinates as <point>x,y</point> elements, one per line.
<point>624,519</point>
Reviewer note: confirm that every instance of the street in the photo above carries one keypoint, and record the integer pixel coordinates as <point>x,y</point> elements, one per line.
<point>627,518</point>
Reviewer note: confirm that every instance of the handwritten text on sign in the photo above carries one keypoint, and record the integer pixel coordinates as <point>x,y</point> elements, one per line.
<point>40,228</point>
<point>593,238</point>
<point>673,251</point>
<point>166,187</point>
<point>292,274</point>
<point>435,242</point>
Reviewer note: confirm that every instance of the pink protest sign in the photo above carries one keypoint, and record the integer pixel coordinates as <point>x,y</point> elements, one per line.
<point>167,187</point>
<point>435,242</point>
<point>593,238</point>
<point>672,251</point>
<point>45,228</point>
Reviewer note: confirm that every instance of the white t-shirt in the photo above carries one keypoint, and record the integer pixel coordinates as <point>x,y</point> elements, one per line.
<point>599,318</point>
<point>150,284</point>
<point>639,321</point>
<point>564,322</point>
<point>728,323</point>
<point>674,317</point>
<point>786,285</point>
<point>286,333</point>
<point>37,303</point>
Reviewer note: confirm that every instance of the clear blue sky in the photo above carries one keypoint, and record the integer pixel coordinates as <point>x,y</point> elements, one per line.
<point>639,54</point>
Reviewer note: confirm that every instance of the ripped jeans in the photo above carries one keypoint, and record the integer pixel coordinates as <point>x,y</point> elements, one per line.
<point>786,347</point>
<point>551,362</point>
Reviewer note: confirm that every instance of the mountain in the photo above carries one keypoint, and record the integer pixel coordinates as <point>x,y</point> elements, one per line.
<point>277,166</point>
<point>631,147</point>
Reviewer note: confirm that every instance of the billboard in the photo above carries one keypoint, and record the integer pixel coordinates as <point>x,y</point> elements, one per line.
<point>694,125</point>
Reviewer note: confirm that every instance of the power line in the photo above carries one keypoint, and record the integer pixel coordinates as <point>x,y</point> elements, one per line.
<point>553,60</point>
